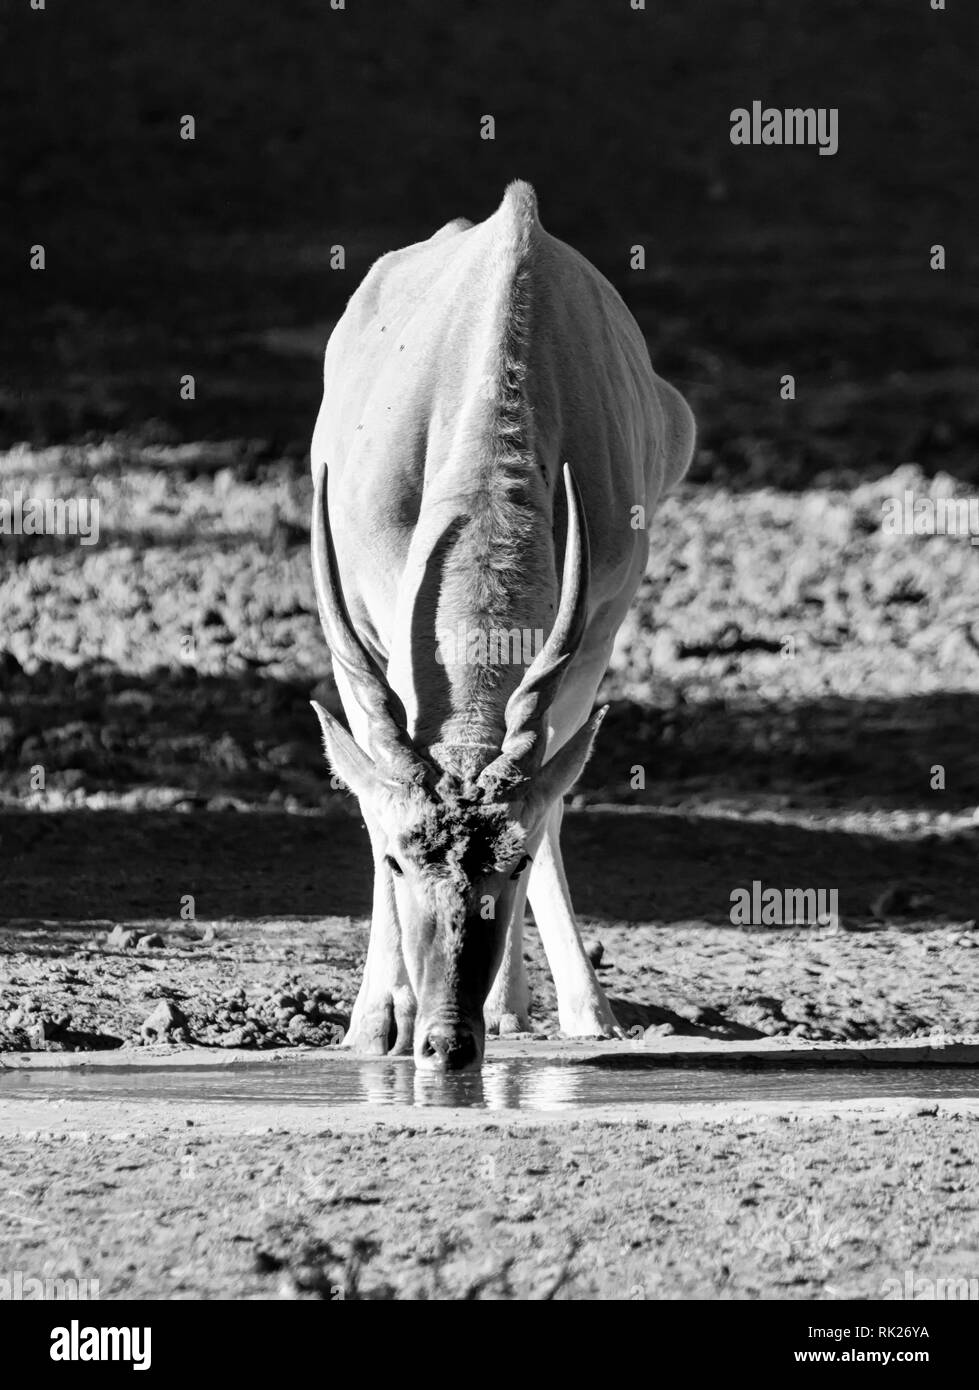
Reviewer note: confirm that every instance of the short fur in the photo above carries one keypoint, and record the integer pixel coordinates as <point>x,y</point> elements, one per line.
<point>466,372</point>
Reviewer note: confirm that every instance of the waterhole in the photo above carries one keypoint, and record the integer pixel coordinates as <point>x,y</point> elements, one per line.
<point>503,1084</point>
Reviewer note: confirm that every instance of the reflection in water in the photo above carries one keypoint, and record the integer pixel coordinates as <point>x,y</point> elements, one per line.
<point>385,1083</point>
<point>511,1086</point>
<point>501,1085</point>
<point>525,1084</point>
<point>433,1088</point>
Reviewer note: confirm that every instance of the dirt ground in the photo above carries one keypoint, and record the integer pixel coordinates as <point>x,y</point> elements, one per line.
<point>820,1208</point>
<point>157,685</point>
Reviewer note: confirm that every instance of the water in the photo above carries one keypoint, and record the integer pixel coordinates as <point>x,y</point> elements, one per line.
<point>503,1084</point>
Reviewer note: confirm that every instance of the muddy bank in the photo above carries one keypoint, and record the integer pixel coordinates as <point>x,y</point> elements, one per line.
<point>292,983</point>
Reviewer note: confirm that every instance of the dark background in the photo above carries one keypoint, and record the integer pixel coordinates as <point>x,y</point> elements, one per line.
<point>361,127</point>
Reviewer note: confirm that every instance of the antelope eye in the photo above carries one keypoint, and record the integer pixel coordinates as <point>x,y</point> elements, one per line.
<point>393,865</point>
<point>520,867</point>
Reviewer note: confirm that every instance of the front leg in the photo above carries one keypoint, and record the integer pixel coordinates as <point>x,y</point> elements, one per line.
<point>583,1010</point>
<point>507,1009</point>
<point>382,1021</point>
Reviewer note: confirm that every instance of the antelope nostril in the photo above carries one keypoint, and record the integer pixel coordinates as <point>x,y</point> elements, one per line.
<point>454,1048</point>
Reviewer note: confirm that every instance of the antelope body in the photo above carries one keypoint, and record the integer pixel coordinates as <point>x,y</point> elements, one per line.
<point>490,422</point>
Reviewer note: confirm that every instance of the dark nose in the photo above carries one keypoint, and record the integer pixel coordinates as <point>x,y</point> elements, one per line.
<point>451,1048</point>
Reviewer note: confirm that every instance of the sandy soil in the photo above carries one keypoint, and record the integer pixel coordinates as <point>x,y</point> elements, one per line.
<point>818,1208</point>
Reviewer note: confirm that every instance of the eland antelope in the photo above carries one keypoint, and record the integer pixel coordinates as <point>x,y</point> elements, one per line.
<point>490,423</point>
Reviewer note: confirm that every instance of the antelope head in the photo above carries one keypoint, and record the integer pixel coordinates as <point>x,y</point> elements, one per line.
<point>453,848</point>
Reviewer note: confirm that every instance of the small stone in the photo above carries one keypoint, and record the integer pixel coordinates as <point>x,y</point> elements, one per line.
<point>290,754</point>
<point>164,1019</point>
<point>658,1030</point>
<point>122,938</point>
<point>46,1031</point>
<point>209,935</point>
<point>21,1015</point>
<point>152,941</point>
<point>594,950</point>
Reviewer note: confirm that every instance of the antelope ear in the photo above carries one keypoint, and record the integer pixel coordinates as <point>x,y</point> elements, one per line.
<point>559,774</point>
<point>349,761</point>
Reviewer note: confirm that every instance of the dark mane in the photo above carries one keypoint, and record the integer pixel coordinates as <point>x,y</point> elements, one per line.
<point>503,534</point>
<point>463,835</point>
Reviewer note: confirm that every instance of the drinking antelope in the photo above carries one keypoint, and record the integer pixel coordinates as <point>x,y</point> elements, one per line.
<point>490,423</point>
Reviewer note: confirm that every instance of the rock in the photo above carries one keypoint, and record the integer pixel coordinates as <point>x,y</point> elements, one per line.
<point>122,938</point>
<point>594,950</point>
<point>163,1021</point>
<point>228,754</point>
<point>152,941</point>
<point>46,1031</point>
<point>209,935</point>
<point>658,1030</point>
<point>700,1015</point>
<point>291,754</point>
